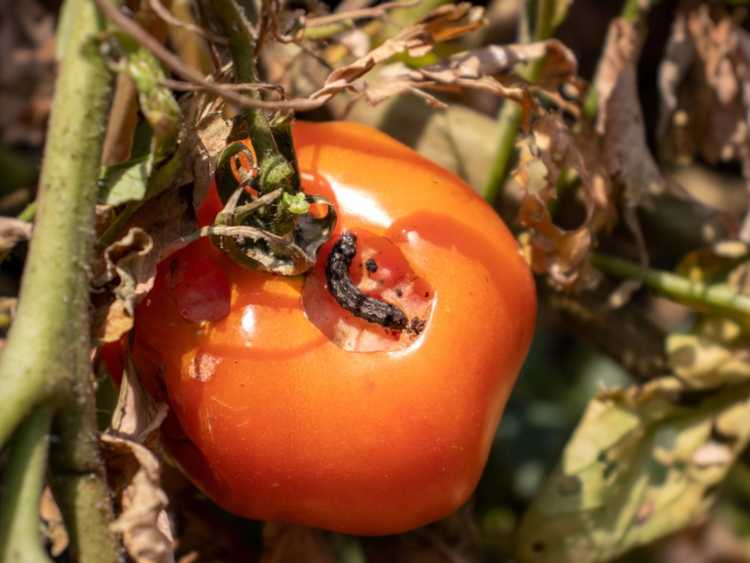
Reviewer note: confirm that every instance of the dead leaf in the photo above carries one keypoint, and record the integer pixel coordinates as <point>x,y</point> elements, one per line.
<point>143,522</point>
<point>54,527</point>
<point>12,231</point>
<point>641,464</point>
<point>705,90</point>
<point>442,24</point>
<point>475,69</point>
<point>620,118</point>
<point>548,151</point>
<point>128,266</point>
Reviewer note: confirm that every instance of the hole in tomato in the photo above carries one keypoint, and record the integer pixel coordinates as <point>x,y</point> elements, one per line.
<point>379,270</point>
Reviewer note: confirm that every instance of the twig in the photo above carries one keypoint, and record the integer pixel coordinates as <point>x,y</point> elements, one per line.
<point>173,62</point>
<point>362,13</point>
<point>167,16</point>
<point>183,86</point>
<point>719,298</point>
<point>20,540</point>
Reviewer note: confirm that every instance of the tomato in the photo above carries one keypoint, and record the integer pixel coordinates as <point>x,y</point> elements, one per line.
<point>287,406</point>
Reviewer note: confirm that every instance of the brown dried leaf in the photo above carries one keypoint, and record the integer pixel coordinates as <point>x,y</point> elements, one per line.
<point>54,527</point>
<point>442,24</point>
<point>562,254</point>
<point>143,522</point>
<point>474,69</point>
<point>129,264</point>
<point>12,231</point>
<point>620,119</point>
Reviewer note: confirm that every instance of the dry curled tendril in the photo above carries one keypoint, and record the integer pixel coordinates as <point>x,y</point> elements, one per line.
<point>349,296</point>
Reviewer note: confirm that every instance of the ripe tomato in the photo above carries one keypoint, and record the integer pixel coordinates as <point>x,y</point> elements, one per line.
<point>288,407</point>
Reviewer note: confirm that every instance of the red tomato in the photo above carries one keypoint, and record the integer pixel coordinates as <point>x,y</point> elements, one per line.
<point>288,407</point>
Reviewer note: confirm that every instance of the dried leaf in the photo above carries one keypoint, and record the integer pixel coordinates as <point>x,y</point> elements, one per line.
<point>442,24</point>
<point>474,70</point>
<point>642,463</point>
<point>620,119</point>
<point>12,231</point>
<point>54,527</point>
<point>143,522</point>
<point>128,265</point>
<point>705,91</point>
<point>548,151</point>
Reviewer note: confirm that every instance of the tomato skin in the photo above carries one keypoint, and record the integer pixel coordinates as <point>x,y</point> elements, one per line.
<point>276,422</point>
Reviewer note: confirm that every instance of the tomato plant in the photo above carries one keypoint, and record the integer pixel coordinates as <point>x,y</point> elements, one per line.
<point>291,400</point>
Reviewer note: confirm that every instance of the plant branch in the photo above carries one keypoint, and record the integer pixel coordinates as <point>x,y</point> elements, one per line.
<point>509,119</point>
<point>718,298</point>
<point>37,362</point>
<point>46,359</point>
<point>632,11</point>
<point>188,73</point>
<point>237,23</point>
<point>20,540</point>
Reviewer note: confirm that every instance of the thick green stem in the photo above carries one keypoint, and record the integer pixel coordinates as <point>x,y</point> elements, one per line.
<point>237,22</point>
<point>46,356</point>
<point>20,538</point>
<point>52,319</point>
<point>509,119</point>
<point>721,299</point>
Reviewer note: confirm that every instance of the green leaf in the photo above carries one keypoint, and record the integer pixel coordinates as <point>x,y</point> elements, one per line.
<point>126,181</point>
<point>642,463</point>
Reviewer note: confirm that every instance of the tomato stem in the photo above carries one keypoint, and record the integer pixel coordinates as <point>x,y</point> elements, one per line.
<point>24,480</point>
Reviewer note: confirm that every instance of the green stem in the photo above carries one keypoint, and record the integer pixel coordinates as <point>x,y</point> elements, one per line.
<point>509,119</point>
<point>719,298</point>
<point>237,22</point>
<point>46,356</point>
<point>20,538</point>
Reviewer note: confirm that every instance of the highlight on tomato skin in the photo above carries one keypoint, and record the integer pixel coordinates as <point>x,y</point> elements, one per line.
<point>285,406</point>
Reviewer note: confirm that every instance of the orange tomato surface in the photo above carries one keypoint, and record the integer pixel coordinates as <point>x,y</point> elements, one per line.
<point>287,407</point>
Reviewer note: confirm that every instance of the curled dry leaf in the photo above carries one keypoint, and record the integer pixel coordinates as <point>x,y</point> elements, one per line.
<point>442,24</point>
<point>128,266</point>
<point>705,90</point>
<point>642,463</point>
<point>12,231</point>
<point>475,69</point>
<point>54,527</point>
<point>546,153</point>
<point>143,522</point>
<point>620,123</point>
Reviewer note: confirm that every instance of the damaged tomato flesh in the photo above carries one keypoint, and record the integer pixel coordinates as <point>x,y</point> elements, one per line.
<point>287,406</point>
